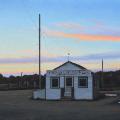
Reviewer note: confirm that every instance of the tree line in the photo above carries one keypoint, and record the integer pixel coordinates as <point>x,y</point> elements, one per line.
<point>21,82</point>
<point>111,81</point>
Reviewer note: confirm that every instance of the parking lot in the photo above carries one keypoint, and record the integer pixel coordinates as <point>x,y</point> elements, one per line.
<point>18,105</point>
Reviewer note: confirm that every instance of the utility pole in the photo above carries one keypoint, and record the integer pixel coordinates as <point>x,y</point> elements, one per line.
<point>21,80</point>
<point>102,80</point>
<point>21,74</point>
<point>39,51</point>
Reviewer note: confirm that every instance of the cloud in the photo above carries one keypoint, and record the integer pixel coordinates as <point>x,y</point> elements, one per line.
<point>28,65</point>
<point>82,37</point>
<point>17,60</point>
<point>109,55</point>
<point>90,57</point>
<point>46,59</point>
<point>69,25</point>
<point>95,31</point>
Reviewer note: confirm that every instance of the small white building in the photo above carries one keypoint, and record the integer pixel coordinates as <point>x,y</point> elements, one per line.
<point>69,80</point>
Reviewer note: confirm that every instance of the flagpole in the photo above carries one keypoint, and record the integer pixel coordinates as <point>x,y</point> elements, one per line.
<point>39,51</point>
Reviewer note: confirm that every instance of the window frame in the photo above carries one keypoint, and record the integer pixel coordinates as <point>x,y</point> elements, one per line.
<point>82,77</point>
<point>51,83</point>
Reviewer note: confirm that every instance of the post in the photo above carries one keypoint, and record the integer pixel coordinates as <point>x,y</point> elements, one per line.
<point>21,74</point>
<point>102,82</point>
<point>21,82</point>
<point>39,51</point>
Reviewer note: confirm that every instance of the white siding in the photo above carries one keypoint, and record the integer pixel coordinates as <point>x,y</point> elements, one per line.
<point>61,82</point>
<point>39,94</point>
<point>83,93</point>
<point>79,93</point>
<point>52,94</point>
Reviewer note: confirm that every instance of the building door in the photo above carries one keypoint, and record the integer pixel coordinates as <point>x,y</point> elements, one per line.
<point>68,82</point>
<point>68,86</point>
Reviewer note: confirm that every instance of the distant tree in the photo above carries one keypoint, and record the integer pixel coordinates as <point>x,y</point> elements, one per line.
<point>111,79</point>
<point>1,77</point>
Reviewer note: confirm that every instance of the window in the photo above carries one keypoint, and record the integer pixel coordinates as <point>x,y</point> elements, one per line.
<point>83,82</point>
<point>55,82</point>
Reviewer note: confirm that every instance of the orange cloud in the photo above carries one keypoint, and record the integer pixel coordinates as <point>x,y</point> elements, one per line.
<point>93,37</point>
<point>88,37</point>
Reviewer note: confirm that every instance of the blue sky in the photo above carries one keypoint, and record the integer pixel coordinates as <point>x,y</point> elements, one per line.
<point>82,28</point>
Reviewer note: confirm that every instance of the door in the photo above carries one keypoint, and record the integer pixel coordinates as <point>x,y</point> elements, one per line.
<point>68,82</point>
<point>68,86</point>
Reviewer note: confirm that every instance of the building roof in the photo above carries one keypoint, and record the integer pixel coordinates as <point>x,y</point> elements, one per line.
<point>79,66</point>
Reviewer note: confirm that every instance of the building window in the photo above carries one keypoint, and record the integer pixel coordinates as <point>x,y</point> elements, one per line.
<point>83,82</point>
<point>55,82</point>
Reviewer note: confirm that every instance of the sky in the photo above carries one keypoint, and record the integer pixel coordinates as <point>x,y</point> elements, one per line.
<point>87,29</point>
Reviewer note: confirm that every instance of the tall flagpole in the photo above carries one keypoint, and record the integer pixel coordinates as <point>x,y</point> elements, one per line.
<point>39,51</point>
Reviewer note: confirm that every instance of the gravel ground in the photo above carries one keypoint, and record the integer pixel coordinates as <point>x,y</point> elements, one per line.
<point>17,105</point>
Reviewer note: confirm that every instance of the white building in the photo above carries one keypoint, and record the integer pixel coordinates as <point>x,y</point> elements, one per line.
<point>69,80</point>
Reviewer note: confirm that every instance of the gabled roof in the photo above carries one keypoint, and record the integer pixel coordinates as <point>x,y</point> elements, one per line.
<point>79,66</point>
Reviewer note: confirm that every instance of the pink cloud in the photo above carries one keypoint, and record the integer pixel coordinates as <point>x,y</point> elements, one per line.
<point>85,36</point>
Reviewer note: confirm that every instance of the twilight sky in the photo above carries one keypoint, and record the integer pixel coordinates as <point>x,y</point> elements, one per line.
<point>87,29</point>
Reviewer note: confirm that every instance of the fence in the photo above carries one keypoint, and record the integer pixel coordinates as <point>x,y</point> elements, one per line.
<point>18,84</point>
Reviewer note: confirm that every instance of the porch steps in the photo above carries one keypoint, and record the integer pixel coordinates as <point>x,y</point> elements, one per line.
<point>67,94</point>
<point>66,99</point>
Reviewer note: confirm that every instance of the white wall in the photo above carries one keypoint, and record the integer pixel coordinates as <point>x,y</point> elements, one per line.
<point>83,93</point>
<point>39,94</point>
<point>79,93</point>
<point>61,82</point>
<point>52,94</point>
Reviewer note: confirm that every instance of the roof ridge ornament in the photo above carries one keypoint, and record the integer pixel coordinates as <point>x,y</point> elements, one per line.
<point>68,57</point>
